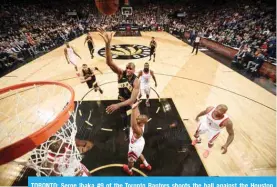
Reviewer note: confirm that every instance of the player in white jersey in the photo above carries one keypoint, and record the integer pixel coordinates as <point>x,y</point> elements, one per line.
<point>137,142</point>
<point>213,120</point>
<point>61,162</point>
<point>145,76</point>
<point>70,55</point>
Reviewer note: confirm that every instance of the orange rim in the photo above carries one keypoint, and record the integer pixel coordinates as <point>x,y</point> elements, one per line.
<point>23,146</point>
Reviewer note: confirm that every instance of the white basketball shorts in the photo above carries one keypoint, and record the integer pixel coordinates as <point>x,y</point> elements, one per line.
<point>203,127</point>
<point>135,149</point>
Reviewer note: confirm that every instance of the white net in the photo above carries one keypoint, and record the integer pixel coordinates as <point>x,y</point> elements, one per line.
<point>27,110</point>
<point>59,155</point>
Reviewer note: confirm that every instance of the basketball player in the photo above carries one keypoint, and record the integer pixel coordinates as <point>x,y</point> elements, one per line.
<point>145,76</point>
<point>196,43</point>
<point>70,53</point>
<point>137,142</point>
<point>153,46</point>
<point>89,77</point>
<point>128,83</point>
<point>90,44</point>
<point>60,158</point>
<point>214,119</point>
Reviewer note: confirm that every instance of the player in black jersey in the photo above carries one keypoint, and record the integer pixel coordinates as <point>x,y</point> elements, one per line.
<point>127,80</point>
<point>88,76</point>
<point>128,83</point>
<point>90,44</point>
<point>153,46</point>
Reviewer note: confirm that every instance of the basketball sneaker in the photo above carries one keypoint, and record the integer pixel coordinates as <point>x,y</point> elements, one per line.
<point>148,168</point>
<point>126,169</point>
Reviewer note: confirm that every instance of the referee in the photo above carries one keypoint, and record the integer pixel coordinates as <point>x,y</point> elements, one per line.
<point>196,43</point>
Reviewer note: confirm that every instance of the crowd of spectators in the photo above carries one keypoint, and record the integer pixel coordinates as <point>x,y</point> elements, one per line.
<point>29,29</point>
<point>250,28</point>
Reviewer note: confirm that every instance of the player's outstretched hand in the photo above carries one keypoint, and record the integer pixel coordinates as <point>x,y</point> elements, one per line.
<point>107,37</point>
<point>110,109</point>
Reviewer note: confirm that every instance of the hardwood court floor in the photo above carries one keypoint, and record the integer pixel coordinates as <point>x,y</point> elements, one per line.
<point>193,82</point>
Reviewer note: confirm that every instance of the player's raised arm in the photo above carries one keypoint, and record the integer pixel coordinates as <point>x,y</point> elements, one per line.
<point>134,115</point>
<point>108,38</point>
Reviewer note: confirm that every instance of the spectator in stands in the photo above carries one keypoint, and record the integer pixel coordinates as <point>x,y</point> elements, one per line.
<point>256,63</point>
<point>243,55</point>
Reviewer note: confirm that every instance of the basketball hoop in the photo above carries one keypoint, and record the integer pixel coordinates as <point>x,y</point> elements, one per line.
<point>34,118</point>
<point>126,11</point>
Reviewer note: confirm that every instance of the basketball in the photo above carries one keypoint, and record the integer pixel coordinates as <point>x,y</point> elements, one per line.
<point>107,7</point>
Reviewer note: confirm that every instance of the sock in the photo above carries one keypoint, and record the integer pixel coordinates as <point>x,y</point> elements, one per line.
<point>145,163</point>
